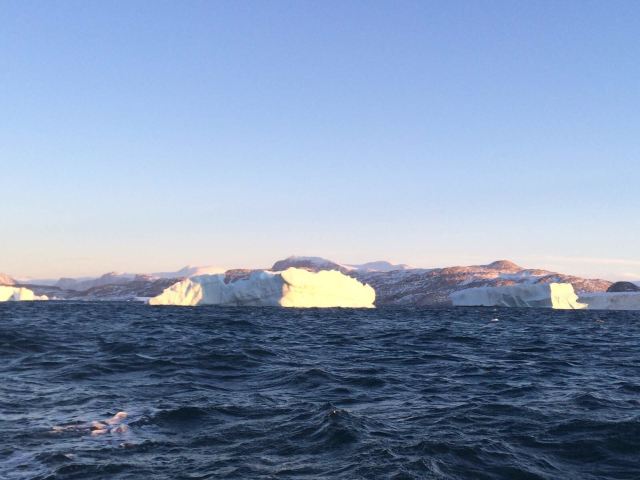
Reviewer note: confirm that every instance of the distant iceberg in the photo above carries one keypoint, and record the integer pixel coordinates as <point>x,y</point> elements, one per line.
<point>293,287</point>
<point>548,295</point>
<point>612,300</point>
<point>18,294</point>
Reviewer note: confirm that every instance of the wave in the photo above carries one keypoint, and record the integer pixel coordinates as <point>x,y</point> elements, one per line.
<point>264,393</point>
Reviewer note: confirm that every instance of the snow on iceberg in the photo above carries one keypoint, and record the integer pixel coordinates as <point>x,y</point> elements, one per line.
<point>611,301</point>
<point>292,287</point>
<point>18,294</point>
<point>549,295</point>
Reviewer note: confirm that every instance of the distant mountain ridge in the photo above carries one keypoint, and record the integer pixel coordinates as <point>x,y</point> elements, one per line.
<point>395,284</point>
<point>111,278</point>
<point>315,263</point>
<point>189,271</point>
<point>432,287</point>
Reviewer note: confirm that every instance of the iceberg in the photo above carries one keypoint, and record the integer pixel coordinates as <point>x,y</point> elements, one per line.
<point>293,287</point>
<point>548,295</point>
<point>18,294</point>
<point>612,301</point>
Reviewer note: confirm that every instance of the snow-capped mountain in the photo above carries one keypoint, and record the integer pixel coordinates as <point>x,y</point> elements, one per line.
<point>433,287</point>
<point>6,279</point>
<point>137,288</point>
<point>190,271</point>
<point>319,263</point>
<point>418,286</point>
<point>80,285</point>
<point>113,285</point>
<point>113,278</point>
<point>395,284</point>
<point>380,266</point>
<point>310,263</point>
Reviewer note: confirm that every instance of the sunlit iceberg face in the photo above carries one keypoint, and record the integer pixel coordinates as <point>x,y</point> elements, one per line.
<point>293,287</point>
<point>552,295</point>
<point>18,294</point>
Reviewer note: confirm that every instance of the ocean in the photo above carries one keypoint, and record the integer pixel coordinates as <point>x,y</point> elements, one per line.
<point>266,393</point>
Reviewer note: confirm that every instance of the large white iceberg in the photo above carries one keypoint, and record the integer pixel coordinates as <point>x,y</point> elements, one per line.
<point>18,294</point>
<point>549,295</point>
<point>612,300</point>
<point>293,287</point>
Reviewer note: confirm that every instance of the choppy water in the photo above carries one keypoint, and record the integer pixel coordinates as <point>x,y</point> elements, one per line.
<point>270,393</point>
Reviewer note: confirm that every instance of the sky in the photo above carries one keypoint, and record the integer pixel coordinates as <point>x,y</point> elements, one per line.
<point>143,136</point>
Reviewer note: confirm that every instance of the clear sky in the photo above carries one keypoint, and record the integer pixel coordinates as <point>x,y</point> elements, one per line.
<point>143,136</point>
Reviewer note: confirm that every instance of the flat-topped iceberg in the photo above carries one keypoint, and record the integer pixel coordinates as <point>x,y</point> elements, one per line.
<point>18,294</point>
<point>549,295</point>
<point>293,287</point>
<point>612,300</point>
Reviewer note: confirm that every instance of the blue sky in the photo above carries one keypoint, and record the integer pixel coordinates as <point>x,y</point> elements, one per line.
<point>141,136</point>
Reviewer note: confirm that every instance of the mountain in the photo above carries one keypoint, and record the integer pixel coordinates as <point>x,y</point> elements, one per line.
<point>137,288</point>
<point>6,279</point>
<point>189,271</point>
<point>432,287</point>
<point>111,278</point>
<point>395,284</point>
<point>380,266</point>
<point>113,285</point>
<point>140,287</point>
<point>309,263</point>
<point>319,263</point>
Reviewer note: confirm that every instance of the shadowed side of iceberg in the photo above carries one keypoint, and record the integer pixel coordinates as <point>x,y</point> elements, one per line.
<point>293,287</point>
<point>612,300</point>
<point>552,295</point>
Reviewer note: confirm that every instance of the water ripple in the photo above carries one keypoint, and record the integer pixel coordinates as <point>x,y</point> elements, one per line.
<point>334,394</point>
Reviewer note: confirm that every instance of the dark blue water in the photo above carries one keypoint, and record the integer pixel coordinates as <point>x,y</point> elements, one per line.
<point>271,393</point>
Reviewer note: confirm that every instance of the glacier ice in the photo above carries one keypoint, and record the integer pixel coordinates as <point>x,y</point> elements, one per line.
<point>548,295</point>
<point>293,287</point>
<point>18,294</point>
<point>611,300</point>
